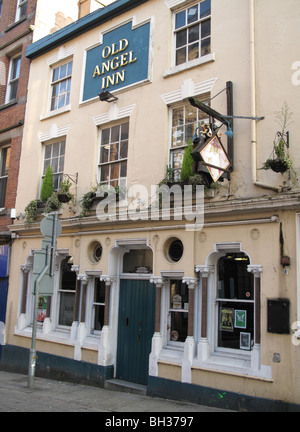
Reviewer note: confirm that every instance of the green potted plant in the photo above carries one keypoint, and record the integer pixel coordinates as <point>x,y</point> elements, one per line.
<point>279,161</point>
<point>63,194</point>
<point>52,203</point>
<point>47,186</point>
<point>31,211</point>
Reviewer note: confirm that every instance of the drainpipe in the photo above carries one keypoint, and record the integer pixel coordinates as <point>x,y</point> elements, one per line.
<point>253,102</point>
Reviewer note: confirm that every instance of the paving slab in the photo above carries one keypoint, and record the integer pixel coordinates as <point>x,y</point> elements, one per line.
<point>57,396</point>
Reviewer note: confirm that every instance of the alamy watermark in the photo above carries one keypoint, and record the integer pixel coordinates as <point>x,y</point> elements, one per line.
<point>296,74</point>
<point>162,203</point>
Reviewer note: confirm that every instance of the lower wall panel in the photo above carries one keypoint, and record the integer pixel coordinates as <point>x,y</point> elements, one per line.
<point>169,389</point>
<point>15,359</point>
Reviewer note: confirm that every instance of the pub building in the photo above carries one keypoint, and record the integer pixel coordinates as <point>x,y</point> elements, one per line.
<point>176,269</point>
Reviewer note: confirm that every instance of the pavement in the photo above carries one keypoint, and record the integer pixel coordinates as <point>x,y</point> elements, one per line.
<point>57,396</point>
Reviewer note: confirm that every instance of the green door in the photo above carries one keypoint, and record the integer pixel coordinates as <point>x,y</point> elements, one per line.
<point>135,329</point>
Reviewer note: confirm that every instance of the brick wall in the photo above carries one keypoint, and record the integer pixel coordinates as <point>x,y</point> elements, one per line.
<point>14,39</point>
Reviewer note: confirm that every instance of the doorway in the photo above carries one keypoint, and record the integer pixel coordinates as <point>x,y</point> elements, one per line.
<point>135,329</point>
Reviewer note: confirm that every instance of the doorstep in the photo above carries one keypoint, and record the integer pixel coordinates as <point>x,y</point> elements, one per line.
<point>125,386</point>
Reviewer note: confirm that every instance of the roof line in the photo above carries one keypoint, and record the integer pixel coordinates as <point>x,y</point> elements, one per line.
<point>81,26</point>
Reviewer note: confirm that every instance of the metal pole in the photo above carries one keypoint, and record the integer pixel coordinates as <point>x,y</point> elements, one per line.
<point>32,354</point>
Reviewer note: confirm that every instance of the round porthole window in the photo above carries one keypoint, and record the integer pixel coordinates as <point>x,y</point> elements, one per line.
<point>95,252</point>
<point>173,249</point>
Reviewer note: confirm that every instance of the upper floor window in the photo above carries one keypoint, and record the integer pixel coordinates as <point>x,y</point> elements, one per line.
<point>4,166</point>
<point>193,32</point>
<point>113,155</point>
<point>61,86</point>
<point>1,4</point>
<point>13,78</point>
<point>21,9</point>
<point>185,120</point>
<point>55,157</point>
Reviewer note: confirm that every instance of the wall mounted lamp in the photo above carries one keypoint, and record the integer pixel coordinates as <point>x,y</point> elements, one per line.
<point>107,97</point>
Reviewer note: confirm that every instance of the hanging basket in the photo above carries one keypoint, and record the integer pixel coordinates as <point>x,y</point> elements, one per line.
<point>63,198</point>
<point>277,165</point>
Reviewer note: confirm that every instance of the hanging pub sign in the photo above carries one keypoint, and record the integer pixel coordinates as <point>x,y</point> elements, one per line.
<point>213,156</point>
<point>120,60</point>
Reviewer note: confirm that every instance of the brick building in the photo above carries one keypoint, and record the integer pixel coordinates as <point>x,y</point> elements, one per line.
<point>21,23</point>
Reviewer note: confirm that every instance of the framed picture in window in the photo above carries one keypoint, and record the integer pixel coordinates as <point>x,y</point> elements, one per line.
<point>245,341</point>
<point>226,319</point>
<point>240,318</point>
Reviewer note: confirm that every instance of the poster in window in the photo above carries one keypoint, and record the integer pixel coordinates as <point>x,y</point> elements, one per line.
<point>226,319</point>
<point>240,319</point>
<point>245,341</point>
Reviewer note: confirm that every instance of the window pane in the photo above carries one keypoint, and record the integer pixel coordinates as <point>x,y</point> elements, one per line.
<point>115,134</point>
<point>99,291</point>
<point>192,14</point>
<point>123,169</point>
<point>194,33</point>
<point>190,114</point>
<point>115,170</point>
<point>99,317</point>
<point>105,136</point>
<point>124,131</point>
<point>62,147</point>
<point>61,163</point>
<point>205,47</point>
<point>63,71</point>
<point>104,173</point>
<point>114,152</point>
<point>180,56</point>
<point>104,154</point>
<point>178,137</point>
<point>180,19</point>
<point>205,29</point>
<point>123,149</point>
<point>70,68</point>
<point>15,72</point>
<point>55,74</point>
<point>13,90</point>
<point>66,310</point>
<point>3,182</point>
<point>193,51</point>
<point>205,8</point>
<point>181,38</point>
<point>234,318</point>
<point>178,116</point>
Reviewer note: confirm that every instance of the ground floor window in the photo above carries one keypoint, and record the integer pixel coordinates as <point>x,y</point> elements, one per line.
<point>67,289</point>
<point>178,311</point>
<point>235,302</point>
<point>98,305</point>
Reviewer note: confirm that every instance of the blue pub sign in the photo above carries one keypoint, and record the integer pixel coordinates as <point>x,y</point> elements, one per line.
<point>121,60</point>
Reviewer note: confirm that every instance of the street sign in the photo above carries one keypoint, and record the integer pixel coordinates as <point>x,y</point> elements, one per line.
<point>50,228</point>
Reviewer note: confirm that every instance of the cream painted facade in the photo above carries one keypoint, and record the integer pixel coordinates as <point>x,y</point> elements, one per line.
<point>253,45</point>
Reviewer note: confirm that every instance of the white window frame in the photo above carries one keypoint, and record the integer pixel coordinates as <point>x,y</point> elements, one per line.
<point>12,80</point>
<point>175,31</point>
<point>20,12</point>
<point>121,180</point>
<point>93,305</point>
<point>209,355</point>
<point>58,172</point>
<point>57,83</point>
<point>5,175</point>
<point>181,148</point>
